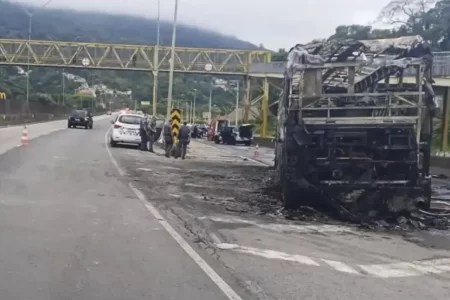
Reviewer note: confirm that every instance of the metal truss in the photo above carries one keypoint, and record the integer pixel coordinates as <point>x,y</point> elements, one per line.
<point>128,57</point>
<point>261,97</point>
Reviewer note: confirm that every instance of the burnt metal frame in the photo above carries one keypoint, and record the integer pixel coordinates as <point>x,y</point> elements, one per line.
<point>331,98</point>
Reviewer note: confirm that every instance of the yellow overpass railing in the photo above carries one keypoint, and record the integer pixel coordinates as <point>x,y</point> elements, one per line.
<point>128,57</point>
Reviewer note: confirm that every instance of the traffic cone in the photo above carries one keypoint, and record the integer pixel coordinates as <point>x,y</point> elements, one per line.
<point>257,151</point>
<point>24,139</point>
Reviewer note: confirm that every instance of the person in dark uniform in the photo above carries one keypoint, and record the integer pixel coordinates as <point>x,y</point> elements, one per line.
<point>168,137</point>
<point>151,133</point>
<point>184,136</point>
<point>143,131</point>
<point>195,132</point>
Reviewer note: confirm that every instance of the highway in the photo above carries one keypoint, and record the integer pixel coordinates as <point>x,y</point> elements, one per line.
<point>80,220</point>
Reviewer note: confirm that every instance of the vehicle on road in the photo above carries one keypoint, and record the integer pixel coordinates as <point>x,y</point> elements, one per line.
<point>216,126</point>
<point>80,118</point>
<point>126,129</point>
<point>233,135</point>
<point>347,136</point>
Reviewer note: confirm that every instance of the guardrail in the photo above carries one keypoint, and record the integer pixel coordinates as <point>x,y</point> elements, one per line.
<point>441,66</point>
<point>20,119</point>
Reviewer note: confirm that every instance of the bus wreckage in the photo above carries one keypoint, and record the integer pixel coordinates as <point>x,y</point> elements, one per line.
<point>352,132</point>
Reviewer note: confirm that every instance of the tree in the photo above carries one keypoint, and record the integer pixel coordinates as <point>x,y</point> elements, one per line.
<point>409,13</point>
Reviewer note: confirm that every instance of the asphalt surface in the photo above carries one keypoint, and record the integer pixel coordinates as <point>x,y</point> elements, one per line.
<point>72,228</point>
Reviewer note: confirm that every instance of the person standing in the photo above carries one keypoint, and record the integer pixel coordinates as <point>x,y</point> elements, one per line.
<point>184,137</point>
<point>143,131</point>
<point>151,134</point>
<point>168,137</point>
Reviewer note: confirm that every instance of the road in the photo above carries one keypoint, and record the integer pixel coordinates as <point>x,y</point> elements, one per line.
<point>81,220</point>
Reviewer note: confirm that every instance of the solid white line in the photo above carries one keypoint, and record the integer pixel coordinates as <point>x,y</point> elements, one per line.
<point>119,169</point>
<point>223,286</point>
<point>271,254</point>
<point>341,267</point>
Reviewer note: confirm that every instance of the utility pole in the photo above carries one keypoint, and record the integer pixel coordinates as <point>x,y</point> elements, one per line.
<point>156,61</point>
<point>237,103</point>
<point>172,60</point>
<point>191,115</point>
<point>30,17</point>
<point>193,110</point>
<point>63,88</point>
<point>210,101</point>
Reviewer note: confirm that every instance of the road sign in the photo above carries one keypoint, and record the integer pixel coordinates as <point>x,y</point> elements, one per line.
<point>145,103</point>
<point>208,67</point>
<point>175,116</point>
<point>85,61</point>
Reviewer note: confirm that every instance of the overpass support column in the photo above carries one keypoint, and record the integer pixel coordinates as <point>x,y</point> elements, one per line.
<point>247,83</point>
<point>265,108</point>
<point>445,115</point>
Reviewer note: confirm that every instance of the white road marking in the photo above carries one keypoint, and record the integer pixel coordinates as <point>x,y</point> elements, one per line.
<point>389,271</point>
<point>271,254</point>
<point>215,238</point>
<point>284,227</point>
<point>340,266</point>
<point>392,270</point>
<point>223,286</point>
<point>403,269</point>
<point>227,154</point>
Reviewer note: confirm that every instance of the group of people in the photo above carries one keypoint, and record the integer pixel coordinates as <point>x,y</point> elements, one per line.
<point>147,130</point>
<point>184,137</point>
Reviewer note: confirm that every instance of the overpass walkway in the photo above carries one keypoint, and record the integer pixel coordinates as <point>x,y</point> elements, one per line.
<point>441,70</point>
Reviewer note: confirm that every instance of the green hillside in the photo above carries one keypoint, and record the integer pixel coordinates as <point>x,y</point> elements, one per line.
<point>67,25</point>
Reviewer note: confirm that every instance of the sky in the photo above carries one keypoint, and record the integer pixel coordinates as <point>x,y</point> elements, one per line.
<point>275,24</point>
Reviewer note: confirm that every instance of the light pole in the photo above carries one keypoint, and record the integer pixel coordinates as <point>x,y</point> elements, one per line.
<point>30,16</point>
<point>210,101</point>
<point>186,114</point>
<point>63,77</point>
<point>237,101</point>
<point>193,109</point>
<point>172,60</point>
<point>155,60</point>
<point>191,115</point>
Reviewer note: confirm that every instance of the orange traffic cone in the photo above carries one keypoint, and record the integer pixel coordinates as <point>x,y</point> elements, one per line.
<point>24,139</point>
<point>256,151</point>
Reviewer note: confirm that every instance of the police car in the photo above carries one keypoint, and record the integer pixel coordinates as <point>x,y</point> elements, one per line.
<point>126,129</point>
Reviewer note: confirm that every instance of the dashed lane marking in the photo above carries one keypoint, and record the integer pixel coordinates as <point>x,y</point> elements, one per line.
<point>340,266</point>
<point>393,270</point>
<point>201,263</point>
<point>283,227</point>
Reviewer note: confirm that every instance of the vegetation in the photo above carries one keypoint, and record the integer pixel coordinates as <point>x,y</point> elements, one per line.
<point>66,25</point>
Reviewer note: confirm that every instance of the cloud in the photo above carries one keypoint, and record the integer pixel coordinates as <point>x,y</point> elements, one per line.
<point>276,24</point>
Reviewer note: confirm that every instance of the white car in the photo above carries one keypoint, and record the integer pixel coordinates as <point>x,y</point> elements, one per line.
<point>126,129</point>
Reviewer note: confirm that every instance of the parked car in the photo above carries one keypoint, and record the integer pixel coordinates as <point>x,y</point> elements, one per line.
<point>233,135</point>
<point>126,129</point>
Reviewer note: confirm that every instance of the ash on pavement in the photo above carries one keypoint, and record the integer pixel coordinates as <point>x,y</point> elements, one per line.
<point>220,186</point>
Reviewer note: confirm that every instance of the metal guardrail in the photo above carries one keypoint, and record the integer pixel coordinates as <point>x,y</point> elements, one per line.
<point>441,66</point>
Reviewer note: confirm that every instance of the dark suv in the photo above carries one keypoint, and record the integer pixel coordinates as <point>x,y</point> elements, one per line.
<point>80,118</point>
